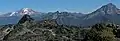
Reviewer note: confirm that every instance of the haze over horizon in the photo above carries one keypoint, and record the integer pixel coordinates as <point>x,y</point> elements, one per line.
<point>83,6</point>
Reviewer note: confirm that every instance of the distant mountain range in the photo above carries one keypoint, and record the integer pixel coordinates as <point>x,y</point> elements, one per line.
<point>107,13</point>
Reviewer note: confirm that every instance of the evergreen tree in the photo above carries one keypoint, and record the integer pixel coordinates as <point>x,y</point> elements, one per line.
<point>100,32</point>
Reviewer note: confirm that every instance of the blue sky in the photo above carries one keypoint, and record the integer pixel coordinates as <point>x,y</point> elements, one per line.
<point>83,6</point>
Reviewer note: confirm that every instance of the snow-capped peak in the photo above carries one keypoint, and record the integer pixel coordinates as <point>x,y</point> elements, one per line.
<point>26,11</point>
<point>22,11</point>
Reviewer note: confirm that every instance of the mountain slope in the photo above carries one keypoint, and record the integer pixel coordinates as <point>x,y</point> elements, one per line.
<point>65,18</point>
<point>25,18</point>
<point>107,13</point>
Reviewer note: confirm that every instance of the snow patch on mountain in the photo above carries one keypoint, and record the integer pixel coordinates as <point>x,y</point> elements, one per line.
<point>13,13</point>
